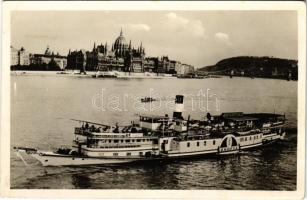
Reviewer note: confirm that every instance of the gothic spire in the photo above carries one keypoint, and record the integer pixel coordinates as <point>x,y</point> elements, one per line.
<point>106,47</point>
<point>121,31</point>
<point>94,46</point>
<point>141,47</point>
<point>47,52</point>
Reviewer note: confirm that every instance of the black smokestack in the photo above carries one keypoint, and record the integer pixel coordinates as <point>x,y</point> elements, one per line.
<point>178,107</point>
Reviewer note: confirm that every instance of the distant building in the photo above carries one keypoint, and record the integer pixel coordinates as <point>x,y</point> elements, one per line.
<point>135,59</point>
<point>19,57</point>
<point>77,60</point>
<point>150,64</point>
<point>119,56</point>
<point>24,57</point>
<point>174,67</point>
<point>103,59</point>
<point>171,67</point>
<point>164,64</point>
<point>183,69</point>
<point>14,56</point>
<point>177,67</point>
<point>49,58</point>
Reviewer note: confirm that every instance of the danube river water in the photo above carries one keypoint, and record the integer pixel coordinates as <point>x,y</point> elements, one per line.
<point>42,106</point>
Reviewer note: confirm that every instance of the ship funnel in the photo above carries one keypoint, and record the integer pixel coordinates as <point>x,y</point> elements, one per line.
<point>178,107</point>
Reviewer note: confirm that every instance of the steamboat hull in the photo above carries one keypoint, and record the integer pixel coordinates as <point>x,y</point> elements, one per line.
<point>204,154</point>
<point>224,151</point>
<point>69,160</point>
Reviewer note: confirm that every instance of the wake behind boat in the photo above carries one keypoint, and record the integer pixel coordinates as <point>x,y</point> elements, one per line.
<point>164,137</point>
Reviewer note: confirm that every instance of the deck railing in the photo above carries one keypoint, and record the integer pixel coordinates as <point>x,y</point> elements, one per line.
<point>113,146</point>
<point>82,131</point>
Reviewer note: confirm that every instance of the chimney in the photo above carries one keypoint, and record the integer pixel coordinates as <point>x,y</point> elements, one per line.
<point>178,107</point>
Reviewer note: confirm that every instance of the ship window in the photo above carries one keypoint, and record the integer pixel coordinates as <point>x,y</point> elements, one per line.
<point>110,141</point>
<point>213,142</point>
<point>122,141</point>
<point>127,140</point>
<point>197,143</point>
<point>250,137</point>
<point>115,141</point>
<point>241,139</point>
<point>129,154</point>
<point>115,154</point>
<point>141,153</point>
<point>205,143</point>
<point>188,144</point>
<point>138,140</point>
<point>132,140</point>
<point>245,138</point>
<point>144,140</point>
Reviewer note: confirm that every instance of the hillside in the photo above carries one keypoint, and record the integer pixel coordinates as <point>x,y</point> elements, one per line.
<point>266,67</point>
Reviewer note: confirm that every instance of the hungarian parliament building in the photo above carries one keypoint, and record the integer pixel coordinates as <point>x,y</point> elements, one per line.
<point>121,56</point>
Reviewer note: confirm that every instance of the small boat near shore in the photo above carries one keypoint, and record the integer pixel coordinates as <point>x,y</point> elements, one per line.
<point>164,137</point>
<point>104,74</point>
<point>190,76</point>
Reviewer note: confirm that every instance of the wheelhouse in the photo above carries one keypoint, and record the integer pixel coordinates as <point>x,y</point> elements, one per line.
<point>153,122</point>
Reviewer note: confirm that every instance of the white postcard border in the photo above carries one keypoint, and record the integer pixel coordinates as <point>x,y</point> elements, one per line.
<point>152,194</point>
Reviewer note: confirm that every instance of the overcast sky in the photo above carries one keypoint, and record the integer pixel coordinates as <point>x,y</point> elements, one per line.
<point>199,38</point>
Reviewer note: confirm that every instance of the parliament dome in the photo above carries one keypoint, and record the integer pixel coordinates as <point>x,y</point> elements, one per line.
<point>120,40</point>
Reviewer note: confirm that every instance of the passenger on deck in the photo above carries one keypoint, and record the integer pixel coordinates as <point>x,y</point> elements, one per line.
<point>93,128</point>
<point>86,126</point>
<point>133,130</point>
<point>209,117</point>
<point>116,129</point>
<point>105,128</point>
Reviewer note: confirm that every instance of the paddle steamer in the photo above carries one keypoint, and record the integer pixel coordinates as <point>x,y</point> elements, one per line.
<point>164,137</point>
